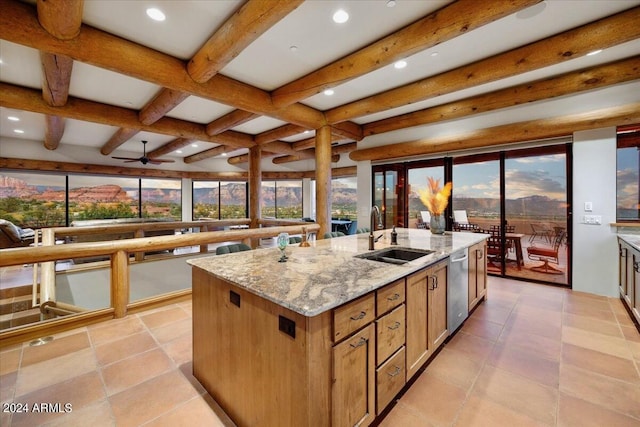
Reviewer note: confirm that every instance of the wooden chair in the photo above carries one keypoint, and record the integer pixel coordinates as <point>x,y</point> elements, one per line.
<point>496,252</point>
<point>547,255</point>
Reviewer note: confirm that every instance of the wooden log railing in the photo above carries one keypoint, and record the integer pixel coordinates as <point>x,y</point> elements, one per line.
<point>118,251</point>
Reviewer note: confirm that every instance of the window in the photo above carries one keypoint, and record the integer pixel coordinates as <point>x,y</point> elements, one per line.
<point>33,200</point>
<point>100,197</point>
<point>233,200</point>
<point>289,199</point>
<point>161,198</point>
<point>628,177</point>
<point>206,200</point>
<point>344,198</point>
<point>268,208</point>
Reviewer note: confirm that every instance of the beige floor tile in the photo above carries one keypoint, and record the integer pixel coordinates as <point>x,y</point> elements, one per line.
<point>173,330</point>
<point>578,302</point>
<point>579,413</point>
<point>613,394</point>
<point>115,329</point>
<point>125,347</point>
<point>151,399</point>
<point>517,393</point>
<point>10,361</point>
<point>164,317</point>
<point>56,370</point>
<point>634,348</point>
<point>471,346</point>
<point>624,320</point>
<point>8,386</point>
<point>536,368</point>
<point>533,344</point>
<point>57,347</point>
<point>443,404</point>
<point>602,343</point>
<point>482,328</point>
<point>494,314</point>
<point>195,412</point>
<point>630,333</point>
<point>454,367</point>
<point>592,325</point>
<point>483,412</point>
<point>606,315</point>
<point>96,415</point>
<point>550,302</point>
<point>78,392</point>
<point>180,350</point>
<point>135,370</point>
<point>601,363</point>
<point>402,415</point>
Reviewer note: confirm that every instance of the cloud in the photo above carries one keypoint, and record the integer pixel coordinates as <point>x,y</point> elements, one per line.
<point>527,183</point>
<point>541,159</point>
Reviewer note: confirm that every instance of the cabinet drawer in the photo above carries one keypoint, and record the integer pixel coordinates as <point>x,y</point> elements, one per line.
<point>390,379</point>
<point>389,297</point>
<point>353,316</point>
<point>390,332</point>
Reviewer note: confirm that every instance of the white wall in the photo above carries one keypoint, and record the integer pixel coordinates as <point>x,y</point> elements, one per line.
<point>595,253</point>
<point>187,199</point>
<point>364,204</point>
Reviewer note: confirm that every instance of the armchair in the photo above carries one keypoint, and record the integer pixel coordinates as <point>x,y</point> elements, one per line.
<point>547,255</point>
<point>12,236</point>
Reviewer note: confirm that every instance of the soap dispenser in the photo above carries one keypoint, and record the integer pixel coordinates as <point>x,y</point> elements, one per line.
<point>394,236</point>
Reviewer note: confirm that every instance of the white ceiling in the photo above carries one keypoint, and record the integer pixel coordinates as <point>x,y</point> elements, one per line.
<point>270,62</point>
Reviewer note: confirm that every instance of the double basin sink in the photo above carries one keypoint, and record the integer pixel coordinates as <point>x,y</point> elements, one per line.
<point>396,255</point>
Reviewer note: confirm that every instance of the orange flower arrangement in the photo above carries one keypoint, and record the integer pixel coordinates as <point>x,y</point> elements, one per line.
<point>435,198</point>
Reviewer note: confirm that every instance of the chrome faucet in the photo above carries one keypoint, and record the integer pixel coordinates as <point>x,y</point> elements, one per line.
<point>374,211</point>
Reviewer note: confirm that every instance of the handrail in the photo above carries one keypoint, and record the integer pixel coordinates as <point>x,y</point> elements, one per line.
<point>118,250</point>
<point>145,226</point>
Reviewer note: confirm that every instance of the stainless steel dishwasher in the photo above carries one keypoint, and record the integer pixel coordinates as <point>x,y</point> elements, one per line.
<point>458,290</point>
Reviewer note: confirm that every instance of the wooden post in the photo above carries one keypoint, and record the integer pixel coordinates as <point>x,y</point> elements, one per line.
<point>323,179</point>
<point>255,188</point>
<point>120,283</point>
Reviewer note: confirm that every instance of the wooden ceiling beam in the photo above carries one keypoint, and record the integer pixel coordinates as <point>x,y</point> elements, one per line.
<point>18,24</point>
<point>31,100</point>
<point>349,130</point>
<point>562,47</point>
<point>119,137</point>
<point>206,154</point>
<point>229,121</point>
<point>573,82</point>
<point>248,23</point>
<point>279,133</point>
<point>62,19</point>
<point>311,153</point>
<point>505,134</point>
<point>170,147</point>
<point>445,24</point>
<point>280,147</point>
<point>164,101</point>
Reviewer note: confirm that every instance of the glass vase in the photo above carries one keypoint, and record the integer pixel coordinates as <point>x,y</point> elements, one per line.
<point>437,224</point>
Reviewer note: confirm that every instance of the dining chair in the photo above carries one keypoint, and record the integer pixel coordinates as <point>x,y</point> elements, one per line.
<point>547,255</point>
<point>231,248</point>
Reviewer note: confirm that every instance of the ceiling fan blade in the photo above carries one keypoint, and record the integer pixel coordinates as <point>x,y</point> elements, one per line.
<point>132,160</point>
<point>125,158</point>
<point>158,161</point>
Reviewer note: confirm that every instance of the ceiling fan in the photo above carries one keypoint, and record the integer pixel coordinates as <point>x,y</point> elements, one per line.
<point>144,159</point>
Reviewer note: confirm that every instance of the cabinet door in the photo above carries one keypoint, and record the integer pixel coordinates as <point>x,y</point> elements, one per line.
<point>629,296</point>
<point>635,283</point>
<point>437,282</point>
<point>417,336</point>
<point>353,392</point>
<point>477,274</point>
<point>622,268</point>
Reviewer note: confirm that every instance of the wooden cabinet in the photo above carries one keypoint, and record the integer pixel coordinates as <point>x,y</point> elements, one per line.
<point>629,277</point>
<point>353,392</point>
<point>477,274</point>
<point>426,314</point>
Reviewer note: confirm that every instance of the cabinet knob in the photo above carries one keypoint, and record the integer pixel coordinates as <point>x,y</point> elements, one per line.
<point>359,316</point>
<point>360,343</point>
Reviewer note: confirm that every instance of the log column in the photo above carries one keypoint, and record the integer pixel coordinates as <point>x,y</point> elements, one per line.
<point>255,188</point>
<point>323,179</point>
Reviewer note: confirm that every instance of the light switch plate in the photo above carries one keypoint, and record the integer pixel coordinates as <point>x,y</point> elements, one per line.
<point>588,206</point>
<point>592,219</point>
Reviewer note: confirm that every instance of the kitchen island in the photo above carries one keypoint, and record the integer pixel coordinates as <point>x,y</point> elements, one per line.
<point>325,338</point>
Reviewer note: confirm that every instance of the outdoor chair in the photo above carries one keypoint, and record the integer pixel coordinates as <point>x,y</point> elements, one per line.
<point>12,236</point>
<point>234,247</point>
<point>540,231</point>
<point>547,255</point>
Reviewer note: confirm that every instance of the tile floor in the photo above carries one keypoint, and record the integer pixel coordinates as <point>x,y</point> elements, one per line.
<point>531,355</point>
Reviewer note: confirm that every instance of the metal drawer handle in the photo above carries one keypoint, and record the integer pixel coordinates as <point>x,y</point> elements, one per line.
<point>359,316</point>
<point>394,297</point>
<point>360,343</point>
<point>479,253</point>
<point>394,326</point>
<point>395,372</point>
<point>636,266</point>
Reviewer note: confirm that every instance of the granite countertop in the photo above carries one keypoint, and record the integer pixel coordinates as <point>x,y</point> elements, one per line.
<point>632,239</point>
<point>326,274</point>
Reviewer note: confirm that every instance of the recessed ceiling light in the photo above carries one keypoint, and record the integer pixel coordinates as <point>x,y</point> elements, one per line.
<point>391,3</point>
<point>434,54</point>
<point>194,145</point>
<point>18,131</point>
<point>329,92</point>
<point>179,151</point>
<point>532,11</point>
<point>293,48</point>
<point>595,52</point>
<point>155,14</point>
<point>340,17</point>
<point>13,119</point>
<point>224,154</point>
<point>1,62</point>
<point>307,131</point>
<point>400,64</point>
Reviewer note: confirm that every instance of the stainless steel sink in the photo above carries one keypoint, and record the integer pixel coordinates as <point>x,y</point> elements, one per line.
<point>397,255</point>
